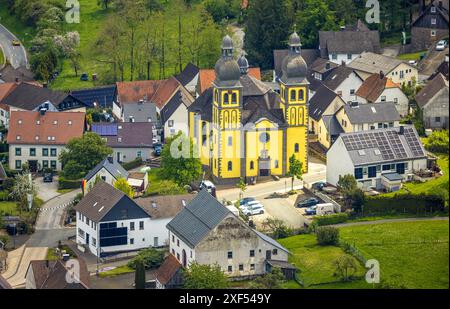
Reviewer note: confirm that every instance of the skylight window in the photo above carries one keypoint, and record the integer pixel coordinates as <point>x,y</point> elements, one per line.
<point>361,152</point>
<point>101,208</point>
<point>377,152</point>
<point>373,110</point>
<point>95,204</point>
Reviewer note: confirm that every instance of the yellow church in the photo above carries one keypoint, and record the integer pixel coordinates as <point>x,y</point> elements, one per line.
<point>243,129</point>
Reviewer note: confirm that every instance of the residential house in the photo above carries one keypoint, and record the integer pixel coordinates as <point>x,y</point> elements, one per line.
<point>377,157</point>
<point>175,115</point>
<point>442,68</point>
<point>103,96</point>
<point>344,81</point>
<point>379,88</point>
<point>322,121</point>
<point>398,70</point>
<point>189,78</point>
<point>110,222</point>
<point>431,25</point>
<point>162,209</point>
<point>433,100</point>
<point>33,97</point>
<point>239,114</point>
<point>37,138</point>
<point>206,232</point>
<point>108,170</point>
<point>54,274</point>
<point>348,43</point>
<point>364,117</point>
<point>139,112</point>
<point>129,140</point>
<point>318,72</point>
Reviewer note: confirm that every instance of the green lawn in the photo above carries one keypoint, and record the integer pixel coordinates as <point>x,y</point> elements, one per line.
<point>412,254</point>
<point>23,32</point>
<point>9,208</point>
<point>159,186</point>
<point>120,270</point>
<point>315,262</point>
<point>411,56</point>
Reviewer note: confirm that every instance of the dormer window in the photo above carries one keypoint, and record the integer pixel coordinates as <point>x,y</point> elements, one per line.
<point>119,127</point>
<point>19,121</point>
<point>119,139</point>
<point>69,122</point>
<point>55,122</point>
<point>38,122</point>
<point>18,137</point>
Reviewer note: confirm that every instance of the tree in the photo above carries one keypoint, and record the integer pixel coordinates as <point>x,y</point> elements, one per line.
<point>267,29</point>
<point>295,170</point>
<point>139,276</point>
<point>178,161</point>
<point>277,228</point>
<point>68,45</point>
<point>23,185</point>
<point>242,187</point>
<point>345,267</point>
<point>104,3</point>
<point>327,236</point>
<point>347,183</point>
<point>82,154</point>
<point>204,277</point>
<point>272,280</point>
<point>150,258</point>
<point>353,195</point>
<point>438,142</point>
<point>122,185</point>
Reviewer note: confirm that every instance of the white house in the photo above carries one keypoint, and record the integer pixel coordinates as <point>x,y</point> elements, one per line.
<point>175,115</point>
<point>377,157</point>
<point>189,77</point>
<point>379,88</point>
<point>107,170</point>
<point>206,232</point>
<point>344,81</point>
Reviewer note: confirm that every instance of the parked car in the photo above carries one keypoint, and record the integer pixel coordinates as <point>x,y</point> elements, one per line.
<point>157,149</point>
<point>255,204</point>
<point>441,45</point>
<point>251,203</point>
<point>84,77</point>
<point>15,43</point>
<point>311,211</point>
<point>318,185</point>
<point>48,177</point>
<point>253,210</point>
<point>208,186</point>
<point>245,200</point>
<point>312,201</point>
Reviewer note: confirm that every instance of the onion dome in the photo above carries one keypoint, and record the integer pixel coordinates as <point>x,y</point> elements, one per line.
<point>243,64</point>
<point>227,69</point>
<point>294,68</point>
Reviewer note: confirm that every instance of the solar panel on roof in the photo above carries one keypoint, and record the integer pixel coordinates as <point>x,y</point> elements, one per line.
<point>105,130</point>
<point>396,144</point>
<point>413,142</point>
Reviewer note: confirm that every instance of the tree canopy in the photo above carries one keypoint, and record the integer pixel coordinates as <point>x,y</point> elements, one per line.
<point>204,277</point>
<point>82,154</point>
<point>122,185</point>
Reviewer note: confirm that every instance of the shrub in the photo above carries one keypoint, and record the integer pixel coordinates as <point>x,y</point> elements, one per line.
<point>438,141</point>
<point>277,228</point>
<point>64,183</point>
<point>132,164</point>
<point>151,258</point>
<point>331,219</point>
<point>405,203</point>
<point>346,266</point>
<point>327,236</point>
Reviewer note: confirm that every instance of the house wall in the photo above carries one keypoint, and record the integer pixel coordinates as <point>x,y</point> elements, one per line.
<point>338,162</point>
<point>104,175</point>
<point>410,74</point>
<point>176,247</point>
<point>25,155</point>
<point>4,118</point>
<point>180,122</point>
<point>232,235</point>
<point>349,127</point>
<point>117,110</point>
<point>437,107</point>
<point>323,135</point>
<point>339,58</point>
<point>397,96</point>
<point>30,283</point>
<point>159,230</point>
<point>124,154</point>
<point>353,82</point>
<point>192,85</point>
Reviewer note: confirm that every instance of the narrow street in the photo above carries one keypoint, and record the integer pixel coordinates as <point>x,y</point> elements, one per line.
<point>16,55</point>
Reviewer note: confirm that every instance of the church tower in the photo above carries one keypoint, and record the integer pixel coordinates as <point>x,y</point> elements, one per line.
<point>294,102</point>
<point>226,114</point>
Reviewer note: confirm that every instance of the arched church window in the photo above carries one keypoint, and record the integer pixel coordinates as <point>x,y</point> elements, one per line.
<point>234,98</point>
<point>293,95</point>
<point>301,95</point>
<point>296,148</point>
<point>252,165</point>
<point>300,116</point>
<point>226,98</point>
<point>230,166</point>
<point>293,116</point>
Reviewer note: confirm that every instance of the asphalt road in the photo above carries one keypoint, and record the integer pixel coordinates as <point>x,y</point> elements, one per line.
<point>16,55</point>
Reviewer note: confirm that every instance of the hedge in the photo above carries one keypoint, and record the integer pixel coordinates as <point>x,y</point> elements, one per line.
<point>132,164</point>
<point>331,219</point>
<point>68,184</point>
<point>405,203</point>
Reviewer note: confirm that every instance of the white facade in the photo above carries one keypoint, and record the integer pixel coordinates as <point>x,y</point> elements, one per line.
<point>395,95</point>
<point>44,156</point>
<point>347,89</point>
<point>104,175</point>
<point>127,154</point>
<point>178,121</point>
<point>4,118</point>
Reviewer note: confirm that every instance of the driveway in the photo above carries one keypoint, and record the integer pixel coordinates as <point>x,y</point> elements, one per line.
<point>16,55</point>
<point>46,190</point>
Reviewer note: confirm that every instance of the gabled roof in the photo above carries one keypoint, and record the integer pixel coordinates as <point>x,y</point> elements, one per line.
<point>270,240</point>
<point>126,134</point>
<point>383,145</point>
<point>29,96</point>
<point>375,63</point>
<point>52,128</point>
<point>207,77</point>
<point>168,269</point>
<point>372,113</point>
<point>52,275</point>
<point>165,91</point>
<point>167,206</point>
<point>188,74</point>
<point>198,218</point>
<point>374,85</point>
<point>132,92</point>
<point>431,89</point>
<point>103,96</point>
<point>202,105</point>
<point>332,124</point>
<point>338,76</point>
<point>321,65</point>
<point>11,75</point>
<point>323,97</point>
<point>140,112</point>
<point>180,97</point>
<point>114,168</point>
<point>442,11</point>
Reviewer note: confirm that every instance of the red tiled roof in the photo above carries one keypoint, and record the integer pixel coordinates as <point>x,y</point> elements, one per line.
<point>207,76</point>
<point>165,92</point>
<point>34,128</point>
<point>168,269</point>
<point>5,89</point>
<point>373,87</point>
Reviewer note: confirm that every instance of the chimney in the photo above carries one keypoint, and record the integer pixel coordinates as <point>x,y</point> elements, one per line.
<point>402,130</point>
<point>381,75</point>
<point>343,63</point>
<point>110,159</point>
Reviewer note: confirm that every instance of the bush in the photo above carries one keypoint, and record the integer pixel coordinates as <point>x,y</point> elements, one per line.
<point>405,203</point>
<point>68,184</point>
<point>132,164</point>
<point>4,196</point>
<point>151,258</point>
<point>438,142</point>
<point>331,219</point>
<point>327,236</point>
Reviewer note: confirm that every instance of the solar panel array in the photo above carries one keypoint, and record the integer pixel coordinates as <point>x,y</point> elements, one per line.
<point>396,143</point>
<point>103,96</point>
<point>105,129</point>
<point>413,142</point>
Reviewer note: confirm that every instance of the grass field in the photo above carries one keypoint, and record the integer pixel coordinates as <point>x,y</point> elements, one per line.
<point>411,255</point>
<point>23,32</point>
<point>158,186</point>
<point>411,56</point>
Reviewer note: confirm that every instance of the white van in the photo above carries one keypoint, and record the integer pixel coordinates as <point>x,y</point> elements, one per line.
<point>324,209</point>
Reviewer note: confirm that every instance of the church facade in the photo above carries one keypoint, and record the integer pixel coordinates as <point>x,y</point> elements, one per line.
<point>243,129</point>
